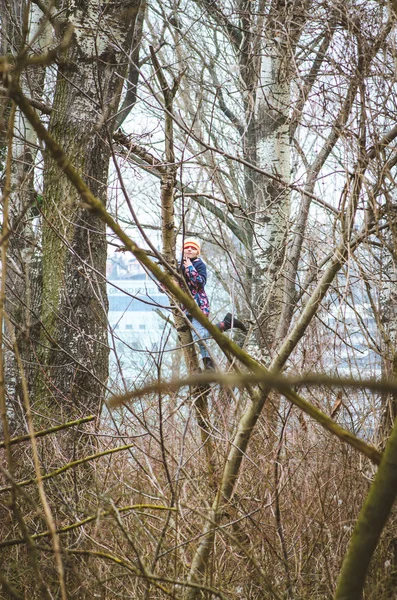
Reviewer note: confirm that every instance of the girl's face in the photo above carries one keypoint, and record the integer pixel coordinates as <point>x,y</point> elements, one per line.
<point>190,252</point>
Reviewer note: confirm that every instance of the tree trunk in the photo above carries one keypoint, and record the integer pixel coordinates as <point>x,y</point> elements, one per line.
<point>23,279</point>
<point>74,301</point>
<point>272,195</point>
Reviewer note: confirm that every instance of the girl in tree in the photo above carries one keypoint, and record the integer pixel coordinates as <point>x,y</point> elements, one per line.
<point>195,273</point>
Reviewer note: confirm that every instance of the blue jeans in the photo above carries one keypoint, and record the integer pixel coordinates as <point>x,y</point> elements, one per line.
<point>202,334</point>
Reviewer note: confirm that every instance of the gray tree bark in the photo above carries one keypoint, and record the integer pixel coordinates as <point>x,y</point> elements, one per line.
<point>90,76</point>
<point>23,279</point>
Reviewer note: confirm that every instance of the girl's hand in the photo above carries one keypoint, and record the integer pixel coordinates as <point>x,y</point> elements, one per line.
<point>186,261</point>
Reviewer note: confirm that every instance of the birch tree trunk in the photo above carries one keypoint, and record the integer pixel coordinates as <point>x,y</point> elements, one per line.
<point>272,195</point>
<point>24,274</point>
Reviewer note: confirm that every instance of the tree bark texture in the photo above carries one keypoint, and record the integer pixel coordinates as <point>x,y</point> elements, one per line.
<point>272,198</point>
<point>23,281</point>
<point>74,302</point>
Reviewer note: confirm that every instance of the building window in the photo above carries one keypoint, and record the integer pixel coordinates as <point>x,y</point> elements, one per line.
<point>142,326</point>
<point>129,326</point>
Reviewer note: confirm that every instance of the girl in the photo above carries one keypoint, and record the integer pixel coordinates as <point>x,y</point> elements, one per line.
<point>195,273</point>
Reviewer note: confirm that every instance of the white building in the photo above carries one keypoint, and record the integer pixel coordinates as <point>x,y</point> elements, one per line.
<point>137,319</point>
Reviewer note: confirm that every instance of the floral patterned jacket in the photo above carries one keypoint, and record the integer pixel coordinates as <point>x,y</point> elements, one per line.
<point>196,278</point>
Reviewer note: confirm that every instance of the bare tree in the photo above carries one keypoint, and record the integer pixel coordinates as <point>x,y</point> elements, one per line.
<point>253,487</point>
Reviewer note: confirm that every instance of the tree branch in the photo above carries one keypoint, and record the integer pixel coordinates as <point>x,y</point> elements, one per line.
<point>67,467</point>
<point>43,432</point>
<point>215,11</point>
<point>370,523</point>
<point>285,385</point>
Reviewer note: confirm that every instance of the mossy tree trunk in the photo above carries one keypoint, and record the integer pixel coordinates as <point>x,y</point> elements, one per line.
<point>74,351</point>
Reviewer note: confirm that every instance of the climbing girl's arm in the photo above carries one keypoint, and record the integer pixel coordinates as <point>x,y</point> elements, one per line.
<point>197,273</point>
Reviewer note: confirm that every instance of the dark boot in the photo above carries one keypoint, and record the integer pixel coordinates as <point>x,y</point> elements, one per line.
<point>208,364</point>
<point>229,321</point>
